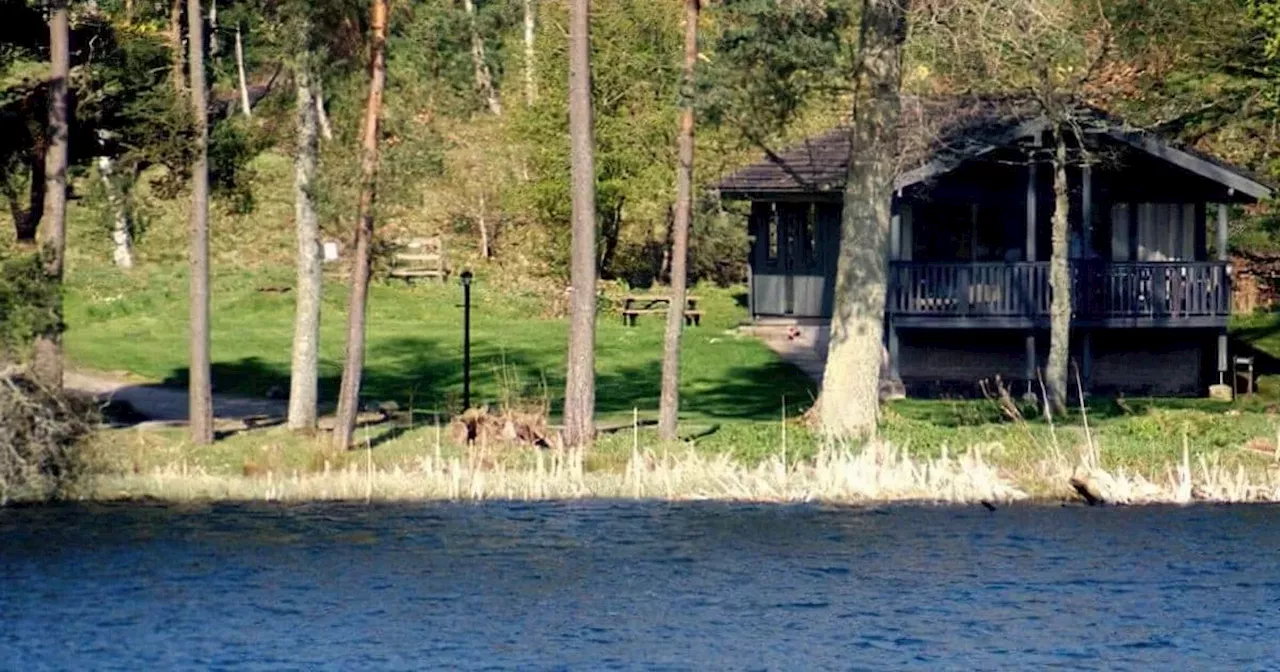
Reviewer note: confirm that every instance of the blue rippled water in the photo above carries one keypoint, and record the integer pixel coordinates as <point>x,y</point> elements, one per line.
<point>637,585</point>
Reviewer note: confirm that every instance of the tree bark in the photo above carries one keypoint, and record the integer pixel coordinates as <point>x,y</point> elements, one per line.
<point>484,77</point>
<point>580,384</point>
<point>121,230</point>
<point>304,368</point>
<point>47,367</point>
<point>353,366</point>
<point>1059,280</point>
<point>530,56</point>
<point>178,71</point>
<point>850,400</point>
<point>215,47</point>
<point>486,243</point>
<point>244,84</point>
<point>26,222</point>
<point>326,131</point>
<point>201,387</point>
<point>669,403</point>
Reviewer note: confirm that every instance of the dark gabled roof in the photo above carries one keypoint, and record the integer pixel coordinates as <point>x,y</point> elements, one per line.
<point>937,134</point>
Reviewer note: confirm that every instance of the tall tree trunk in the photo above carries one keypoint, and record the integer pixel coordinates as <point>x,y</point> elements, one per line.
<point>486,242</point>
<point>530,56</point>
<point>48,347</point>
<point>322,118</point>
<point>669,403</point>
<point>304,369</point>
<point>850,402</point>
<point>121,230</point>
<point>353,366</point>
<point>26,221</point>
<point>580,383</point>
<point>176,64</point>
<point>1059,279</point>
<point>484,77</point>
<point>244,84</point>
<point>215,46</point>
<point>200,394</point>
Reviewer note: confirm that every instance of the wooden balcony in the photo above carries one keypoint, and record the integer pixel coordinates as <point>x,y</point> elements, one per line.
<point>1017,295</point>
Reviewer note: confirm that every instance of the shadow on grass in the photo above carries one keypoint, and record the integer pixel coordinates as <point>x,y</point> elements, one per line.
<point>425,377</point>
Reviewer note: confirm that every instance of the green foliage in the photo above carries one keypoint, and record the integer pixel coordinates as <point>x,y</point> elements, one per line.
<point>770,61</point>
<point>28,302</point>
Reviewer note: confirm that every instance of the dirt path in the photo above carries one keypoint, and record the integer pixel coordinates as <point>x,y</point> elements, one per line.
<point>166,404</point>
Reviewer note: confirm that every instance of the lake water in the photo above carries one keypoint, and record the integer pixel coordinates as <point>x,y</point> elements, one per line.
<point>608,585</point>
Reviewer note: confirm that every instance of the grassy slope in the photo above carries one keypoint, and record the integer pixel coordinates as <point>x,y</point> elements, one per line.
<point>137,323</point>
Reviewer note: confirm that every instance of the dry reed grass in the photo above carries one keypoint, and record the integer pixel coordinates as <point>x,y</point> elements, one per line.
<point>878,472</point>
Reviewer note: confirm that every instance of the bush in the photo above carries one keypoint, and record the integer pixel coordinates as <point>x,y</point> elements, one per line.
<point>28,303</point>
<point>41,432</point>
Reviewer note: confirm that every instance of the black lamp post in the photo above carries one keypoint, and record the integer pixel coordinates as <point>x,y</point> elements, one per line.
<point>466,339</point>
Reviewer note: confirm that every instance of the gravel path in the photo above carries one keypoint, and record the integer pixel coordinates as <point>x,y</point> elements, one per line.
<point>167,404</point>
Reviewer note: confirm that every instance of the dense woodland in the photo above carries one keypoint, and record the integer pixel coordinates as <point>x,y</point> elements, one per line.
<point>469,135</point>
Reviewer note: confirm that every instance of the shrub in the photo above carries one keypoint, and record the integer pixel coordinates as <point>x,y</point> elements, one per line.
<point>41,431</point>
<point>27,303</point>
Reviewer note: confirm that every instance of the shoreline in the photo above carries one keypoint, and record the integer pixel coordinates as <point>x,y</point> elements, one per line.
<point>878,474</point>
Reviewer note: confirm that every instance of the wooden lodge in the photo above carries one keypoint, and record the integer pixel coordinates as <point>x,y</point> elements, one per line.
<point>968,292</point>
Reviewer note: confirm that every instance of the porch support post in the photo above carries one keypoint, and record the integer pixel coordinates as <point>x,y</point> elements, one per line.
<point>1030,371</point>
<point>1031,209</point>
<point>1086,358</point>
<point>894,374</point>
<point>1222,357</point>
<point>1086,210</point>
<point>895,236</point>
<point>1222,232</point>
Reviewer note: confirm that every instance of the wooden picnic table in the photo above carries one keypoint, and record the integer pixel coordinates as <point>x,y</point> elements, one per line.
<point>635,306</point>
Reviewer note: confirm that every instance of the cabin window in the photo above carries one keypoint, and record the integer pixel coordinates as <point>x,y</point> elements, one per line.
<point>771,235</point>
<point>1153,231</point>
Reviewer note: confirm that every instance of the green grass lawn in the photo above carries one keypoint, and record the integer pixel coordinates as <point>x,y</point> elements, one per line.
<point>137,321</point>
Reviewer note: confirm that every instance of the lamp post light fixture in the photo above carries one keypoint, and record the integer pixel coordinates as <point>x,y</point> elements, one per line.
<point>466,339</point>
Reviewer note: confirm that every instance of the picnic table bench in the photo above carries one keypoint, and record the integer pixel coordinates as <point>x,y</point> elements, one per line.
<point>635,306</point>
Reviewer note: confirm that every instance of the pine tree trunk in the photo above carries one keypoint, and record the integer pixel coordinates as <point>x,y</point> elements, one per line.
<point>353,364</point>
<point>1059,280</point>
<point>530,56</point>
<point>121,233</point>
<point>200,393</point>
<point>669,403</point>
<point>47,367</point>
<point>850,399</point>
<point>304,371</point>
<point>178,71</point>
<point>201,384</point>
<point>580,384</point>
<point>244,84</point>
<point>484,77</point>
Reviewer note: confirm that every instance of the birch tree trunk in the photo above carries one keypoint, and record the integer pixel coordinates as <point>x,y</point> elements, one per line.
<point>669,403</point>
<point>176,64</point>
<point>121,233</point>
<point>303,371</point>
<point>1059,279</point>
<point>353,364</point>
<point>47,367</point>
<point>201,387</point>
<point>530,56</point>
<point>326,131</point>
<point>244,85</point>
<point>486,243</point>
<point>580,384</point>
<point>215,47</point>
<point>849,403</point>
<point>484,77</point>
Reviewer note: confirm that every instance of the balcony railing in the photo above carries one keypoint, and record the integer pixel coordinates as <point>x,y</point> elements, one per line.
<point>1166,291</point>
